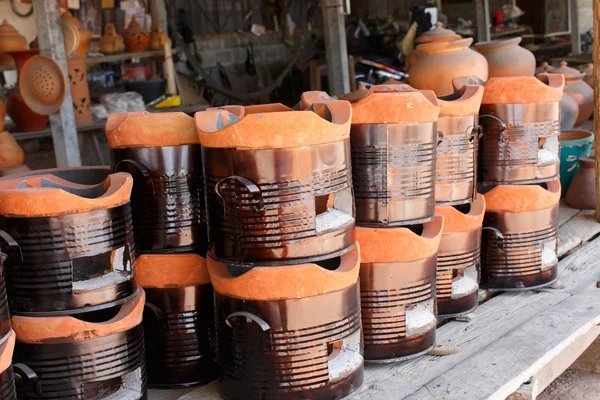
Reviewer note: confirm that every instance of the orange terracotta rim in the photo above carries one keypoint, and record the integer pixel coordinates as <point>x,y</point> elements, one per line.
<point>458,82</point>
<point>70,329</point>
<point>31,197</point>
<point>313,97</point>
<point>521,198</point>
<point>389,104</point>
<point>400,244</point>
<point>271,127</point>
<point>483,47</point>
<point>464,102</point>
<point>285,282</point>
<point>523,89</point>
<point>144,129</point>
<point>170,270</point>
<point>7,348</point>
<point>442,47</point>
<point>456,221</point>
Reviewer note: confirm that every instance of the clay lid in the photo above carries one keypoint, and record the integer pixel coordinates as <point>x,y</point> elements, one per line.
<point>273,126</point>
<point>7,348</point>
<point>399,244</point>
<point>9,33</point>
<point>385,104</point>
<point>571,74</point>
<point>442,47</point>
<point>43,85</point>
<point>11,154</point>
<point>493,45</point>
<point>438,34</point>
<point>170,270</point>
<point>134,26</point>
<point>144,129</point>
<point>48,195</point>
<point>465,101</point>
<point>456,221</point>
<point>285,282</point>
<point>523,89</point>
<point>520,198</point>
<point>65,329</point>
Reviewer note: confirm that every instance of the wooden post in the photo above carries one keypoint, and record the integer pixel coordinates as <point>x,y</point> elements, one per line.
<point>159,13</point>
<point>64,131</point>
<point>482,10</point>
<point>596,58</point>
<point>574,28</point>
<point>335,46</point>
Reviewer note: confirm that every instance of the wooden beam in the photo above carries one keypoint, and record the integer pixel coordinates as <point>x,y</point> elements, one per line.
<point>64,131</point>
<point>335,47</point>
<point>482,9</point>
<point>574,27</point>
<point>159,13</point>
<point>596,58</point>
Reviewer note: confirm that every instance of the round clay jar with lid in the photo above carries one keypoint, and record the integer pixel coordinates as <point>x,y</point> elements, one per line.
<point>437,34</point>
<point>10,40</point>
<point>577,89</point>
<point>506,58</point>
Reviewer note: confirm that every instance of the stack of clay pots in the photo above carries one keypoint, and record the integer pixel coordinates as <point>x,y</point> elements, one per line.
<point>7,342</point>
<point>69,279</point>
<point>283,259</point>
<point>163,155</point>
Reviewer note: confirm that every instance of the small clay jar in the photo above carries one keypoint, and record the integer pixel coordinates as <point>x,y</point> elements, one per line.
<point>157,37</point>
<point>111,42</point>
<point>439,62</point>
<point>11,153</point>
<point>85,36</point>
<point>506,58</point>
<point>136,38</point>
<point>582,191</point>
<point>10,40</point>
<point>577,89</point>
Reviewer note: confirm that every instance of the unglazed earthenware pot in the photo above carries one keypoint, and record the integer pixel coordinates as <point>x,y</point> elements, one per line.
<point>157,37</point>
<point>10,40</point>
<point>136,38</point>
<point>582,191</point>
<point>111,42</point>
<point>577,89</point>
<point>506,58</point>
<point>85,36</point>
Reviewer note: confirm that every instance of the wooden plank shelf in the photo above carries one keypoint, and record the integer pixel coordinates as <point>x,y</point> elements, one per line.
<point>510,339</point>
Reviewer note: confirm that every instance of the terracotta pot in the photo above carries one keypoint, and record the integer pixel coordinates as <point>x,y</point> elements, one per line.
<point>11,154</point>
<point>272,328</point>
<point>519,236</point>
<point>80,91</point>
<point>439,62</point>
<point>573,145</point>
<point>437,34</point>
<point>2,114</point>
<point>397,289</point>
<point>569,111</point>
<point>588,70</point>
<point>506,58</point>
<point>109,351</point>
<point>111,42</point>
<point>582,191</point>
<point>577,89</point>
<point>85,36</point>
<point>157,37</point>
<point>136,38</point>
<point>10,40</point>
<point>25,119</point>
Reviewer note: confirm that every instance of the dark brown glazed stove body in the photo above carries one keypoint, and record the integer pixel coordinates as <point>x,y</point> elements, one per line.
<point>179,325</point>
<point>387,292</point>
<point>5,328</point>
<point>90,369</point>
<point>456,164</point>
<point>290,349</point>
<point>60,264</point>
<point>7,385</point>
<point>167,197</point>
<point>514,261</point>
<point>458,258</point>
<point>512,136</point>
<point>394,173</point>
<point>270,205</point>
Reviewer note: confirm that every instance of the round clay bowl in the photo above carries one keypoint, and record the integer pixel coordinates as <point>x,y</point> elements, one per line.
<point>43,85</point>
<point>71,38</point>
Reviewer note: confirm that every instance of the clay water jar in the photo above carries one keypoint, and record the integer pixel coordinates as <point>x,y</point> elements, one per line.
<point>397,289</point>
<point>70,245</point>
<point>573,145</point>
<point>108,346</point>
<point>578,90</point>
<point>458,142</point>
<point>162,153</point>
<point>439,62</point>
<point>11,154</point>
<point>111,42</point>
<point>520,119</point>
<point>178,319</point>
<point>518,249</point>
<point>582,191</point>
<point>158,38</point>
<point>136,38</point>
<point>272,327</point>
<point>569,111</point>
<point>80,91</point>
<point>437,34</point>
<point>588,70</point>
<point>278,182</point>
<point>459,262</point>
<point>506,58</point>
<point>85,36</point>
<point>10,40</point>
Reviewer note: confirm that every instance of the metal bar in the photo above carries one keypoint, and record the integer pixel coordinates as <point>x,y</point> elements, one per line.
<point>574,27</point>
<point>482,8</point>
<point>335,47</point>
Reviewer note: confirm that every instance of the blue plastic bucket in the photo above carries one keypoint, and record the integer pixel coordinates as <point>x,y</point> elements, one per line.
<point>573,145</point>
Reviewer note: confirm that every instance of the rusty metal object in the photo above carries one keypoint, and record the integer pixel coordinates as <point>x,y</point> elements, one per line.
<point>167,197</point>
<point>178,326</point>
<point>394,172</point>
<point>290,348</point>
<point>284,205</point>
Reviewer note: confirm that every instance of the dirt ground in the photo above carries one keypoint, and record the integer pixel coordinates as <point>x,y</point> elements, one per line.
<point>573,385</point>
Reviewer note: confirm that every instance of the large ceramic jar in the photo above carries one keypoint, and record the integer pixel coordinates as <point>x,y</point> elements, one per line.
<point>506,58</point>
<point>85,36</point>
<point>439,62</point>
<point>577,89</point>
<point>136,38</point>
<point>437,34</point>
<point>10,40</point>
